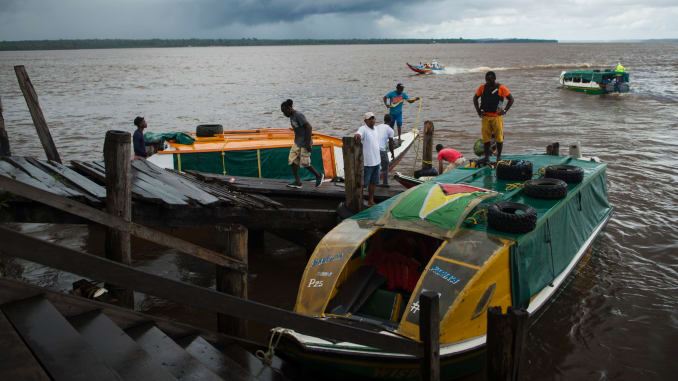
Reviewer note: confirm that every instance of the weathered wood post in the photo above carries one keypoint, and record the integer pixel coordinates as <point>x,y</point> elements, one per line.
<point>117,156</point>
<point>233,238</point>
<point>429,333</point>
<point>553,149</point>
<point>4,139</point>
<point>353,173</point>
<point>427,156</point>
<point>505,340</point>
<point>36,113</point>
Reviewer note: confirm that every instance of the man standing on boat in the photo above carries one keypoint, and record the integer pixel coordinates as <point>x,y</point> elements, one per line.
<point>371,159</point>
<point>138,139</point>
<point>492,95</point>
<point>393,101</point>
<point>300,153</point>
<point>386,144</point>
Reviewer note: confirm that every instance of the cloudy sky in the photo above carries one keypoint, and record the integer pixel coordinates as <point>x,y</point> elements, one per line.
<point>562,20</point>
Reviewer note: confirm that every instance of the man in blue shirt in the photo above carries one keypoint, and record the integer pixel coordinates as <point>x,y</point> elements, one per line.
<point>393,101</point>
<point>138,138</point>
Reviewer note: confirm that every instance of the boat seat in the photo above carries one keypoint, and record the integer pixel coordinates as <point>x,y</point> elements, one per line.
<point>384,305</point>
<point>356,290</point>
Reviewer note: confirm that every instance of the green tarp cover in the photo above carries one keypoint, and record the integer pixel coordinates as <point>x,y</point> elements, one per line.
<point>245,163</point>
<point>157,137</point>
<point>563,226</point>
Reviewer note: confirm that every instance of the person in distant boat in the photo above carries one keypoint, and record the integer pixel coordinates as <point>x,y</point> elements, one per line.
<point>138,140</point>
<point>386,144</point>
<point>492,95</point>
<point>451,156</point>
<point>300,153</point>
<point>393,101</point>
<point>371,159</point>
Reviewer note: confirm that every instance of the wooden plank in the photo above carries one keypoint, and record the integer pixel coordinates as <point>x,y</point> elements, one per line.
<point>17,362</point>
<point>36,113</point>
<point>215,360</point>
<point>103,269</point>
<point>75,179</point>
<point>175,182</point>
<point>87,169</point>
<point>95,215</point>
<point>56,344</point>
<point>353,173</point>
<point>117,349</point>
<point>429,332</point>
<point>506,335</point>
<point>4,139</point>
<point>9,171</point>
<point>40,175</point>
<point>233,239</point>
<point>167,352</point>
<point>118,247</point>
<point>70,306</point>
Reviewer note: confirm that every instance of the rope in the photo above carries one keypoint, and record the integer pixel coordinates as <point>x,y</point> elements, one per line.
<point>479,216</point>
<point>273,341</point>
<point>513,186</point>
<point>542,171</point>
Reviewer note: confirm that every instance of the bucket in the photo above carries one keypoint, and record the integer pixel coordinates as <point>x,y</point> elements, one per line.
<point>575,150</point>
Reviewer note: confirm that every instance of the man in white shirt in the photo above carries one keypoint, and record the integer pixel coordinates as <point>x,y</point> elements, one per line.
<point>386,144</point>
<point>371,158</point>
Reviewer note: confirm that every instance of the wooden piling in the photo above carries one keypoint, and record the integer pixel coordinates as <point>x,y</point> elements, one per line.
<point>353,173</point>
<point>505,340</point>
<point>4,139</point>
<point>429,333</point>
<point>117,156</point>
<point>553,149</point>
<point>427,156</point>
<point>36,113</point>
<point>233,237</point>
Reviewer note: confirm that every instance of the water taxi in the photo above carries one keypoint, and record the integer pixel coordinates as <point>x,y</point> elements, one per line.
<point>481,237</point>
<point>426,68</point>
<point>596,81</point>
<point>257,153</point>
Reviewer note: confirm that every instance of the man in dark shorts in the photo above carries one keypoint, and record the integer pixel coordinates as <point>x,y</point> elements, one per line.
<point>138,139</point>
<point>300,153</point>
<point>492,95</point>
<point>371,157</point>
<point>393,101</point>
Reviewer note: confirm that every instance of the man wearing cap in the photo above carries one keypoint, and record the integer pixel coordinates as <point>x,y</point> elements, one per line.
<point>371,158</point>
<point>393,101</point>
<point>490,110</point>
<point>138,138</point>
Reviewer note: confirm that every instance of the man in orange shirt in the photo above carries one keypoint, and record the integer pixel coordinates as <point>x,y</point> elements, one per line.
<point>492,95</point>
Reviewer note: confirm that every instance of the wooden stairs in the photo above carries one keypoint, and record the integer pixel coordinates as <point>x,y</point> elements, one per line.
<point>51,336</point>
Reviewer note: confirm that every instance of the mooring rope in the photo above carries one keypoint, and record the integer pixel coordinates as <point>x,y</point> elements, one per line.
<point>479,216</point>
<point>513,186</point>
<point>267,356</point>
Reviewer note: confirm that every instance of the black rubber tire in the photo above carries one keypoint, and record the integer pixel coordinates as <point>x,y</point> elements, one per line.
<point>568,173</point>
<point>511,217</point>
<point>207,130</point>
<point>550,189</point>
<point>519,170</point>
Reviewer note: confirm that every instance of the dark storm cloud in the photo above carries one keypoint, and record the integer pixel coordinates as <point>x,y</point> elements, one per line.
<point>250,12</point>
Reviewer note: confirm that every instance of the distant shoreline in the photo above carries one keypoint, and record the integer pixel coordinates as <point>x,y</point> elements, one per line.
<point>181,43</point>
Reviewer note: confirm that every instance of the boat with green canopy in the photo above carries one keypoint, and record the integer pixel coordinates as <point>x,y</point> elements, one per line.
<point>480,237</point>
<point>596,81</point>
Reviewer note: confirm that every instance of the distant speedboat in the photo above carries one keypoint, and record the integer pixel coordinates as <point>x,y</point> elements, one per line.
<point>596,81</point>
<point>426,68</point>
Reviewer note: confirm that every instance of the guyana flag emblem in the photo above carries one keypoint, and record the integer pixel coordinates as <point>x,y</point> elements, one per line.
<point>444,205</point>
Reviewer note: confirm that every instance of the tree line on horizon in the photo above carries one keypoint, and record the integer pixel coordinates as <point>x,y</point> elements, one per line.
<point>195,42</point>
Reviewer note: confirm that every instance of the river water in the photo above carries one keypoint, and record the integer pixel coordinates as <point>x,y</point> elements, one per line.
<point>618,317</point>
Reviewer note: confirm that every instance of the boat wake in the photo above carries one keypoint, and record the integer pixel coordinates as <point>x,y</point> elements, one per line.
<point>482,69</point>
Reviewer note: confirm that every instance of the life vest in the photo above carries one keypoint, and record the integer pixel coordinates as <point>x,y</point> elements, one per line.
<point>490,100</point>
